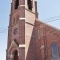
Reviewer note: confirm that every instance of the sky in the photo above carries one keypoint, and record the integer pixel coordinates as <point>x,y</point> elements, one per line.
<point>47,10</point>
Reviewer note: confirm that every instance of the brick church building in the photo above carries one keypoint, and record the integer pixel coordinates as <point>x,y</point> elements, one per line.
<point>28,37</point>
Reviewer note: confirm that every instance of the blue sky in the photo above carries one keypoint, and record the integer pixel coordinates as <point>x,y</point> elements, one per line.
<point>46,9</point>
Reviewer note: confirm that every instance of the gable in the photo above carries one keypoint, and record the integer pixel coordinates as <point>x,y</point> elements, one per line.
<point>13,44</point>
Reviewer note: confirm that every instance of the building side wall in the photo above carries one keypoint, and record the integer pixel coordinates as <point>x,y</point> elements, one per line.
<point>48,35</point>
<point>29,26</point>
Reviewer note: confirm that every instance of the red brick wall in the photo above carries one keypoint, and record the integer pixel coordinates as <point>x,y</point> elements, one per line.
<point>48,35</point>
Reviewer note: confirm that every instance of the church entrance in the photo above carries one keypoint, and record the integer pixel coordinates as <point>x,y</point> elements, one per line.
<point>15,55</point>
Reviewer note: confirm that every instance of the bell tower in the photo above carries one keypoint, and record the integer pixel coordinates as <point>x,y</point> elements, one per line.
<point>22,19</point>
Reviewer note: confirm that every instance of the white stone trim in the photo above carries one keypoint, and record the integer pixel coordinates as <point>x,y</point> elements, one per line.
<point>18,54</point>
<point>22,5</point>
<point>42,47</point>
<point>21,18</point>
<point>11,56</point>
<point>21,45</point>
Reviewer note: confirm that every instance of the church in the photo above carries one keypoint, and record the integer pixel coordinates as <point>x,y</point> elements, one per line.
<point>28,37</point>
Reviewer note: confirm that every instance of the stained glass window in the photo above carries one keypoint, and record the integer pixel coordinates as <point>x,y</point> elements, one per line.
<point>55,54</point>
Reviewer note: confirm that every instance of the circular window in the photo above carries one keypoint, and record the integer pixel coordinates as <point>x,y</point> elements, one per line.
<point>15,31</point>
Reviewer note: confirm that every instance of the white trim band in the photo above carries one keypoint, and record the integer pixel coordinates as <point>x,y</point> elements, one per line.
<point>22,5</point>
<point>11,56</point>
<point>21,45</point>
<point>21,18</point>
<point>42,47</point>
<point>18,54</point>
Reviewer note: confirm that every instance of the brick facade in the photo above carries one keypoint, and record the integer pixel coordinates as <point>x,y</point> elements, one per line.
<point>29,38</point>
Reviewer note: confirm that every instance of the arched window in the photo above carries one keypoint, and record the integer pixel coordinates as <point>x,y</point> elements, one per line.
<point>55,54</point>
<point>15,55</point>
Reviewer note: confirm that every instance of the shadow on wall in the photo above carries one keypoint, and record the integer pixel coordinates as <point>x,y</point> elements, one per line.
<point>32,50</point>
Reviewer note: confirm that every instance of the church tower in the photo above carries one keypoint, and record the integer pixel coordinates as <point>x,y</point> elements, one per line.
<point>21,30</point>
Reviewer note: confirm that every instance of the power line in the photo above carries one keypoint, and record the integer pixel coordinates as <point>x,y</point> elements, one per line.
<point>53,20</point>
<point>50,20</point>
<point>3,30</point>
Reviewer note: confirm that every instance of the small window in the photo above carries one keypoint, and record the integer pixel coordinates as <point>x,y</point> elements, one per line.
<point>16,4</point>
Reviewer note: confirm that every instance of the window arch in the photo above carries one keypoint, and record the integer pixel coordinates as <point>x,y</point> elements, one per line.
<point>55,54</point>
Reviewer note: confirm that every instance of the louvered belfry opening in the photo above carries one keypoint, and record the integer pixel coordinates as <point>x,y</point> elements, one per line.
<point>16,4</point>
<point>29,2</point>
